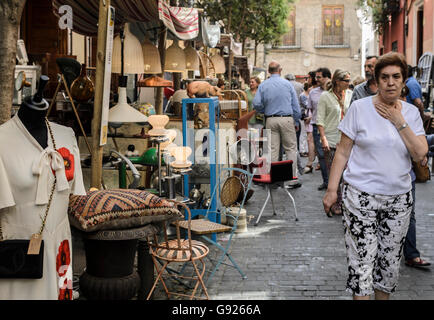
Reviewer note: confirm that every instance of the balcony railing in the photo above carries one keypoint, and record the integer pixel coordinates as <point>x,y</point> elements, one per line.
<point>332,40</point>
<point>290,43</point>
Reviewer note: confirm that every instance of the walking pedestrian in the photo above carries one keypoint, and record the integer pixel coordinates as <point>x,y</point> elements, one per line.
<point>369,87</point>
<point>298,90</point>
<point>322,76</point>
<point>277,99</point>
<point>308,127</point>
<point>332,106</point>
<point>251,92</point>
<point>414,95</point>
<point>411,253</point>
<point>380,136</point>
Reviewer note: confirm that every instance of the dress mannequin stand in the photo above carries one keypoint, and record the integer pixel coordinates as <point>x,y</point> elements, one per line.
<point>32,114</point>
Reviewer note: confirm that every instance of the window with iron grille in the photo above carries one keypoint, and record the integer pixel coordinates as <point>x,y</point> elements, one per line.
<point>289,39</point>
<point>332,25</point>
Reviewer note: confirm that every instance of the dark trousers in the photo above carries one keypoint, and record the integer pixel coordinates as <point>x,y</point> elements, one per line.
<point>320,154</point>
<point>410,250</point>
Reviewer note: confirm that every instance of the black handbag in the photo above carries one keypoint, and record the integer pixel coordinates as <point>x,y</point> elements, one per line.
<point>16,263</point>
<point>15,260</point>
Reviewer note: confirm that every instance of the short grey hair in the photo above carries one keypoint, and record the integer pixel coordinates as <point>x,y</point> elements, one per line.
<point>290,77</point>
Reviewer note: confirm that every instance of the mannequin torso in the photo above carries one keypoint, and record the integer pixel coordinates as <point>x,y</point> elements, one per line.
<point>32,114</point>
<point>34,121</point>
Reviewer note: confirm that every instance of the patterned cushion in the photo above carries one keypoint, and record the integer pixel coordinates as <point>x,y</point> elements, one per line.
<point>118,209</point>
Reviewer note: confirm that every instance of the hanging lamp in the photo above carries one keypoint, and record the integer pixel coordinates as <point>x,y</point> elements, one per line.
<point>191,58</point>
<point>219,63</point>
<point>133,61</point>
<point>127,59</point>
<point>151,58</point>
<point>175,58</point>
<point>123,112</point>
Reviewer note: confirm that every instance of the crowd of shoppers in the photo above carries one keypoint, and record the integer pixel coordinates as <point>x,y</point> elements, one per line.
<point>370,186</point>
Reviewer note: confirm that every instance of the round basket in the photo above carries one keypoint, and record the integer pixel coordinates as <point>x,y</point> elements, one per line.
<point>245,183</point>
<point>230,191</point>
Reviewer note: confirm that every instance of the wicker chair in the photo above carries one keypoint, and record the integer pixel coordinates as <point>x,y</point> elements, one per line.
<point>179,250</point>
<point>206,228</point>
<point>234,104</point>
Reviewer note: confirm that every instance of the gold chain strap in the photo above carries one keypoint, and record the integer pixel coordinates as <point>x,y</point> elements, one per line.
<point>54,183</point>
<point>52,188</point>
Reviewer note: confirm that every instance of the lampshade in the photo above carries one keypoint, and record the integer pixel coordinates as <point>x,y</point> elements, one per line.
<point>133,54</point>
<point>151,58</point>
<point>219,63</point>
<point>191,58</point>
<point>123,112</point>
<point>175,58</point>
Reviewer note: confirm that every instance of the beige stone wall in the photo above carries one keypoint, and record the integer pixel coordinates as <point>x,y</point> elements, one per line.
<point>307,58</point>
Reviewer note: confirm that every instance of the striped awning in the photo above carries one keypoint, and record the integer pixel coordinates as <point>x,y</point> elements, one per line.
<point>183,22</point>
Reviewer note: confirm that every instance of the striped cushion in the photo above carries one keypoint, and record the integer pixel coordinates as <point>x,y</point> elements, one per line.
<point>118,209</point>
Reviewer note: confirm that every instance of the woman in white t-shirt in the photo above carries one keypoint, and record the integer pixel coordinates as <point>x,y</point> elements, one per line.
<point>380,136</point>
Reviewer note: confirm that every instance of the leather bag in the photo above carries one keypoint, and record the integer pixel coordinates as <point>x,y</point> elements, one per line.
<point>422,172</point>
<point>16,263</point>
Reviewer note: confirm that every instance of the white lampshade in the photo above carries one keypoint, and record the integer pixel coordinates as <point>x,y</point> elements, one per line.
<point>191,59</point>
<point>219,63</point>
<point>123,112</point>
<point>151,58</point>
<point>133,54</point>
<point>175,58</point>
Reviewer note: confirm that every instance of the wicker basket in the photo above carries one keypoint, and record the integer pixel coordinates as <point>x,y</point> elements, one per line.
<point>230,191</point>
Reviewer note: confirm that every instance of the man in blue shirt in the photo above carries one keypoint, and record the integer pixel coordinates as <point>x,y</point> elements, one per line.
<point>277,99</point>
<point>414,92</point>
<point>411,253</point>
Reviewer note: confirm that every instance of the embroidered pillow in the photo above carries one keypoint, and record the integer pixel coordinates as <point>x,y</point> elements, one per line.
<point>118,209</point>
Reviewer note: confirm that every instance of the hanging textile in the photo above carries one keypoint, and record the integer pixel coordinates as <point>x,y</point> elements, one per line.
<point>210,33</point>
<point>183,22</point>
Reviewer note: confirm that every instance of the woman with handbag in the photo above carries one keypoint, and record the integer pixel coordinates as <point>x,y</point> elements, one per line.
<point>332,106</point>
<point>39,169</point>
<point>380,136</point>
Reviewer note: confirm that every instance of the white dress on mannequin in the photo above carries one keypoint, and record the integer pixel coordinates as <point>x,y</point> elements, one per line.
<point>26,179</point>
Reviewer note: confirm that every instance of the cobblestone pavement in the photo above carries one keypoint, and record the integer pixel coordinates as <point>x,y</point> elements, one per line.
<point>285,259</point>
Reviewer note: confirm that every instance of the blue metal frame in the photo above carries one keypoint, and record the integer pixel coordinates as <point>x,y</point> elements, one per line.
<point>213,110</point>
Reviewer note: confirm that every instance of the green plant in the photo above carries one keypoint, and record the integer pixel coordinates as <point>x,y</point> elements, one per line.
<point>379,11</point>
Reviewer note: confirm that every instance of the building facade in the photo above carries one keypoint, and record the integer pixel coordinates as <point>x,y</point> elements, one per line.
<point>325,33</point>
<point>410,29</point>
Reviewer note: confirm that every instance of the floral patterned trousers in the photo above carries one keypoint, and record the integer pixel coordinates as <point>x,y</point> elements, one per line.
<point>375,230</point>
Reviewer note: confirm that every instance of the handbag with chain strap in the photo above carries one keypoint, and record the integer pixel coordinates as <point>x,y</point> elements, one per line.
<point>22,258</point>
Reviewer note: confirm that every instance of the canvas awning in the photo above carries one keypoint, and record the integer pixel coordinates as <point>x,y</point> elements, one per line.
<point>182,22</point>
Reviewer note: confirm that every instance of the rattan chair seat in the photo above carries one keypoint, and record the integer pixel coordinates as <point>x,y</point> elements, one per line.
<point>203,226</point>
<point>198,249</point>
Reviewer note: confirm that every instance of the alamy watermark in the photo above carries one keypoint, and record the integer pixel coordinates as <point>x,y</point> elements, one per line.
<point>66,19</point>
